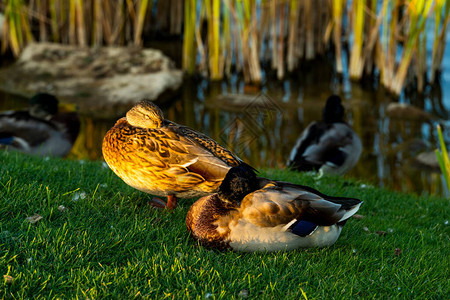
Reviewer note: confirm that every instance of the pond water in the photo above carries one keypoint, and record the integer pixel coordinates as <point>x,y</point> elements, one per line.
<point>263,126</point>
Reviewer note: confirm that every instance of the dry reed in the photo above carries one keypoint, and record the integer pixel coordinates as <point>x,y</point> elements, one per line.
<point>218,34</point>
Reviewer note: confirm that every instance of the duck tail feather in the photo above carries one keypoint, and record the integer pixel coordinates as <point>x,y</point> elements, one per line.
<point>350,212</point>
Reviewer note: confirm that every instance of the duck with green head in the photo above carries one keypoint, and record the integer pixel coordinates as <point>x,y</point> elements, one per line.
<point>329,145</point>
<point>250,214</point>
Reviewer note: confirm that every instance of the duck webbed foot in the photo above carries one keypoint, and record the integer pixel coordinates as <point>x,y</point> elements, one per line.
<point>160,204</point>
<point>171,201</point>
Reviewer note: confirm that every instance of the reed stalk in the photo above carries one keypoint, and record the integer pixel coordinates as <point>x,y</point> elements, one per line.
<point>97,32</point>
<point>273,17</point>
<point>372,36</point>
<point>236,37</point>
<point>388,74</point>
<point>16,32</point>
<point>301,32</point>
<point>252,44</point>
<point>72,22</point>
<point>54,20</point>
<point>117,25</point>
<point>131,11</point>
<point>63,15</point>
<point>440,32</point>
<point>373,47</point>
<point>216,62</point>
<point>338,8</point>
<point>143,5</point>
<point>264,30</point>
<point>356,61</point>
<point>226,40</point>
<point>189,53</point>
<point>80,22</point>
<point>255,67</point>
<point>280,60</point>
<point>292,59</point>
<point>107,15</point>
<point>42,12</point>
<point>322,17</point>
<point>443,159</point>
<point>309,19</point>
<point>25,25</point>
<point>242,38</point>
<point>246,38</point>
<point>176,17</point>
<point>418,13</point>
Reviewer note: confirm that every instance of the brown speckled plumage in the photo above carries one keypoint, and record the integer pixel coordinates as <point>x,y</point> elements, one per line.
<point>168,160</point>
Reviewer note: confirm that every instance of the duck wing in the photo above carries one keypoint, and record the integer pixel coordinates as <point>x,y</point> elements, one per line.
<point>69,123</point>
<point>206,142</point>
<point>319,144</point>
<point>282,203</point>
<point>22,126</point>
<point>310,137</point>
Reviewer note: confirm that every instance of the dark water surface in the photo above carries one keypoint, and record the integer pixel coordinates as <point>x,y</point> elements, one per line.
<point>263,127</point>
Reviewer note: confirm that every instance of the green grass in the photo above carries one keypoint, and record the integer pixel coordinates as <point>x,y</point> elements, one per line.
<point>110,244</point>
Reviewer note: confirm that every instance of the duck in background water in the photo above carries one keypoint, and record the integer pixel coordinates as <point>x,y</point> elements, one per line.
<point>162,158</point>
<point>256,214</point>
<point>330,146</point>
<point>40,130</point>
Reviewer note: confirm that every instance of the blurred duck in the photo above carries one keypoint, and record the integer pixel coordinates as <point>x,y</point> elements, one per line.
<point>330,145</point>
<point>162,158</point>
<point>40,130</point>
<point>256,214</point>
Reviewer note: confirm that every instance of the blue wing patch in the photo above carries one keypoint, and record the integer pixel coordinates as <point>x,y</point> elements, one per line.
<point>303,228</point>
<point>6,140</point>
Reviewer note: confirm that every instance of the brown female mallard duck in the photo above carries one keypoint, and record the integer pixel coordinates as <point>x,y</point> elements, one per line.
<point>162,158</point>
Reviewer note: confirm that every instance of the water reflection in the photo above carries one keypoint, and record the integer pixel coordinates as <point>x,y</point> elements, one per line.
<point>263,128</point>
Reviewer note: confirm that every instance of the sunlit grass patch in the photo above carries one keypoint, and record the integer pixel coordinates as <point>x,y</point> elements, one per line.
<point>108,243</point>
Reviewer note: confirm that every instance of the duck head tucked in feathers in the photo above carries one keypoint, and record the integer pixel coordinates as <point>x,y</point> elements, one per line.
<point>43,106</point>
<point>267,215</point>
<point>238,183</point>
<point>145,114</point>
<point>162,158</point>
<point>333,111</point>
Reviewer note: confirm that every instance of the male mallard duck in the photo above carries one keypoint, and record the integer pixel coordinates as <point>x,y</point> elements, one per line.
<point>162,158</point>
<point>330,145</point>
<point>40,130</point>
<point>256,214</point>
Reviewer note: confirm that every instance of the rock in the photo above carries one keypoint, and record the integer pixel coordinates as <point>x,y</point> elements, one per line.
<point>100,80</point>
<point>428,161</point>
<point>405,111</point>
